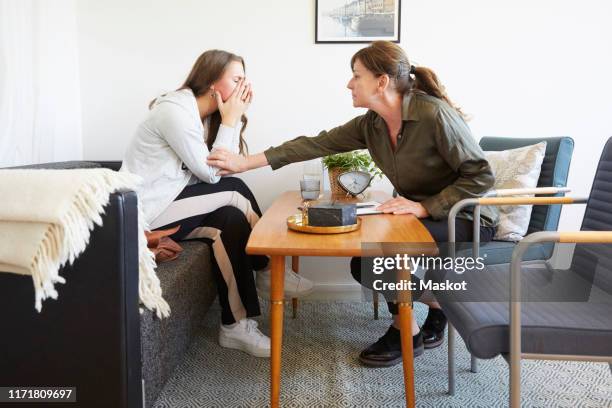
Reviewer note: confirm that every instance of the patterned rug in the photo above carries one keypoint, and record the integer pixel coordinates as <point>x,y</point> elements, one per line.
<point>320,369</point>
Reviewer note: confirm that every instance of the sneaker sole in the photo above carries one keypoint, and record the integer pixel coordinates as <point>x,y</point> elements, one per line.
<point>381,364</point>
<point>238,345</point>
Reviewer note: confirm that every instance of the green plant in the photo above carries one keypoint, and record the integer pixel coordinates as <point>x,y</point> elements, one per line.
<point>358,159</point>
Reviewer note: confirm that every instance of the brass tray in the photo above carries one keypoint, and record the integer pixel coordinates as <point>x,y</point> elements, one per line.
<point>294,222</point>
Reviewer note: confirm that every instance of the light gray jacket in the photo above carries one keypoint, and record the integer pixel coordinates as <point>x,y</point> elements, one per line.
<point>169,151</point>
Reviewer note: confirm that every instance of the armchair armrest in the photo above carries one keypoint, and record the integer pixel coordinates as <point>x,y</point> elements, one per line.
<point>523,191</point>
<point>567,237</point>
<point>528,200</point>
<point>593,237</point>
<point>504,200</point>
<point>492,198</point>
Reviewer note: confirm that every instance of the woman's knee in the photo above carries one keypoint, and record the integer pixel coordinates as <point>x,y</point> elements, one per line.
<point>229,212</point>
<point>230,218</point>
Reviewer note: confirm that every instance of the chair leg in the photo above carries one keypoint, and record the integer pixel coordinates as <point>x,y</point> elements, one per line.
<point>515,382</point>
<point>451,359</point>
<point>610,364</point>
<point>375,304</point>
<point>474,364</point>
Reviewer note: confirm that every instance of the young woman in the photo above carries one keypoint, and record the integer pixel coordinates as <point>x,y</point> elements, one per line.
<point>169,151</point>
<point>421,142</point>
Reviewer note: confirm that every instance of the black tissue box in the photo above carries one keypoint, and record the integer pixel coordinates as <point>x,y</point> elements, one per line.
<point>332,215</point>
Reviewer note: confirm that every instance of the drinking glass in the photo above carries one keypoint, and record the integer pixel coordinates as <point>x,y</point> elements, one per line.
<point>313,170</point>
<point>310,190</point>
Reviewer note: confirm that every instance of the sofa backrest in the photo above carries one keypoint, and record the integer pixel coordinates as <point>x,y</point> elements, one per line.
<point>76,164</point>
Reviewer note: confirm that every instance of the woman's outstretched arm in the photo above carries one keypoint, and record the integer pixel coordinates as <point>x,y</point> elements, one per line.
<point>345,138</point>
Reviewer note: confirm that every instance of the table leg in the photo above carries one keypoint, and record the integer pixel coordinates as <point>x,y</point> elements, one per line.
<point>276,326</point>
<point>405,314</point>
<point>295,266</point>
<point>405,317</point>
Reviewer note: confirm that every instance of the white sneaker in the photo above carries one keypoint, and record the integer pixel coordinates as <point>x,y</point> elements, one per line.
<point>295,285</point>
<point>245,336</point>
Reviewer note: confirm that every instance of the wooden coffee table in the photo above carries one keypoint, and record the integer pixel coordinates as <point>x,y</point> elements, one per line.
<point>272,237</point>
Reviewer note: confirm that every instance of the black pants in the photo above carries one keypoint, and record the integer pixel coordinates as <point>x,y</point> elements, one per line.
<point>439,232</point>
<point>221,215</point>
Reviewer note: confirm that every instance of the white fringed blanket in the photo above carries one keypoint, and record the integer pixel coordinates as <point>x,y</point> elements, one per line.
<point>46,218</point>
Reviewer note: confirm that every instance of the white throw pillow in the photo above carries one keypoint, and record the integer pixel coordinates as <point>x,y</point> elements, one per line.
<point>515,168</point>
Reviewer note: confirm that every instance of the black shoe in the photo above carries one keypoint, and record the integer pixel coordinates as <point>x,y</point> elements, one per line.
<point>387,351</point>
<point>433,328</point>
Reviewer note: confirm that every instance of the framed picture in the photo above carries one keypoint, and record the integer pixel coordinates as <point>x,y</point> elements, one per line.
<point>357,21</point>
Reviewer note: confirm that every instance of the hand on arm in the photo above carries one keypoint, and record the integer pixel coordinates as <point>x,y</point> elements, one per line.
<point>400,205</point>
<point>231,163</point>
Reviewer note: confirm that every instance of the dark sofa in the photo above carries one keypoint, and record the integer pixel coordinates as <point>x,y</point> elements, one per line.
<point>94,337</point>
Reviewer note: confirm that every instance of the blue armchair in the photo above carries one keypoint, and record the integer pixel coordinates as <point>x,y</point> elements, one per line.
<point>552,181</point>
<point>555,169</point>
<point>536,312</point>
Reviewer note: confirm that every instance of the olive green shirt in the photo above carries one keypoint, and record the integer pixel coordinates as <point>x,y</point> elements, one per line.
<point>436,161</point>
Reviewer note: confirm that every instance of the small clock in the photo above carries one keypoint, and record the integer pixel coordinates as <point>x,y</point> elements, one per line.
<point>355,182</point>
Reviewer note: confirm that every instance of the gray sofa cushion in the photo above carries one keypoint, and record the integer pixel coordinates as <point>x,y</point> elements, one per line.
<point>569,327</point>
<point>188,286</point>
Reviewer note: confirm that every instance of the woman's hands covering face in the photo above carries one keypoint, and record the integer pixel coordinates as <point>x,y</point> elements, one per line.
<point>236,105</point>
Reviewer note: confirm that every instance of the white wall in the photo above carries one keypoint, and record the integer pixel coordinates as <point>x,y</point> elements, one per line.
<point>40,107</point>
<point>521,68</point>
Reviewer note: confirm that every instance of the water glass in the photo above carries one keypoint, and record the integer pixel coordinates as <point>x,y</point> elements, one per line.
<point>310,190</point>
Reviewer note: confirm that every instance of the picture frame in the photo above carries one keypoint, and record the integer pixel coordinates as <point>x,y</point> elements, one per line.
<point>357,21</point>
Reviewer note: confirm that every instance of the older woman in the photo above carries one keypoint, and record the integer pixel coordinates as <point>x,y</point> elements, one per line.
<point>420,141</point>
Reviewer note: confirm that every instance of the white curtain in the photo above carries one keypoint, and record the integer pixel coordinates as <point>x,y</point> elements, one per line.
<point>40,114</point>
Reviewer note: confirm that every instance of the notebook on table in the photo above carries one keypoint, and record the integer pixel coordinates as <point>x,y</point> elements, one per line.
<point>368,208</point>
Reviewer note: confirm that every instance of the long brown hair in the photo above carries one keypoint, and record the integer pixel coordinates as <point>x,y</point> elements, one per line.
<point>208,68</point>
<point>385,57</point>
